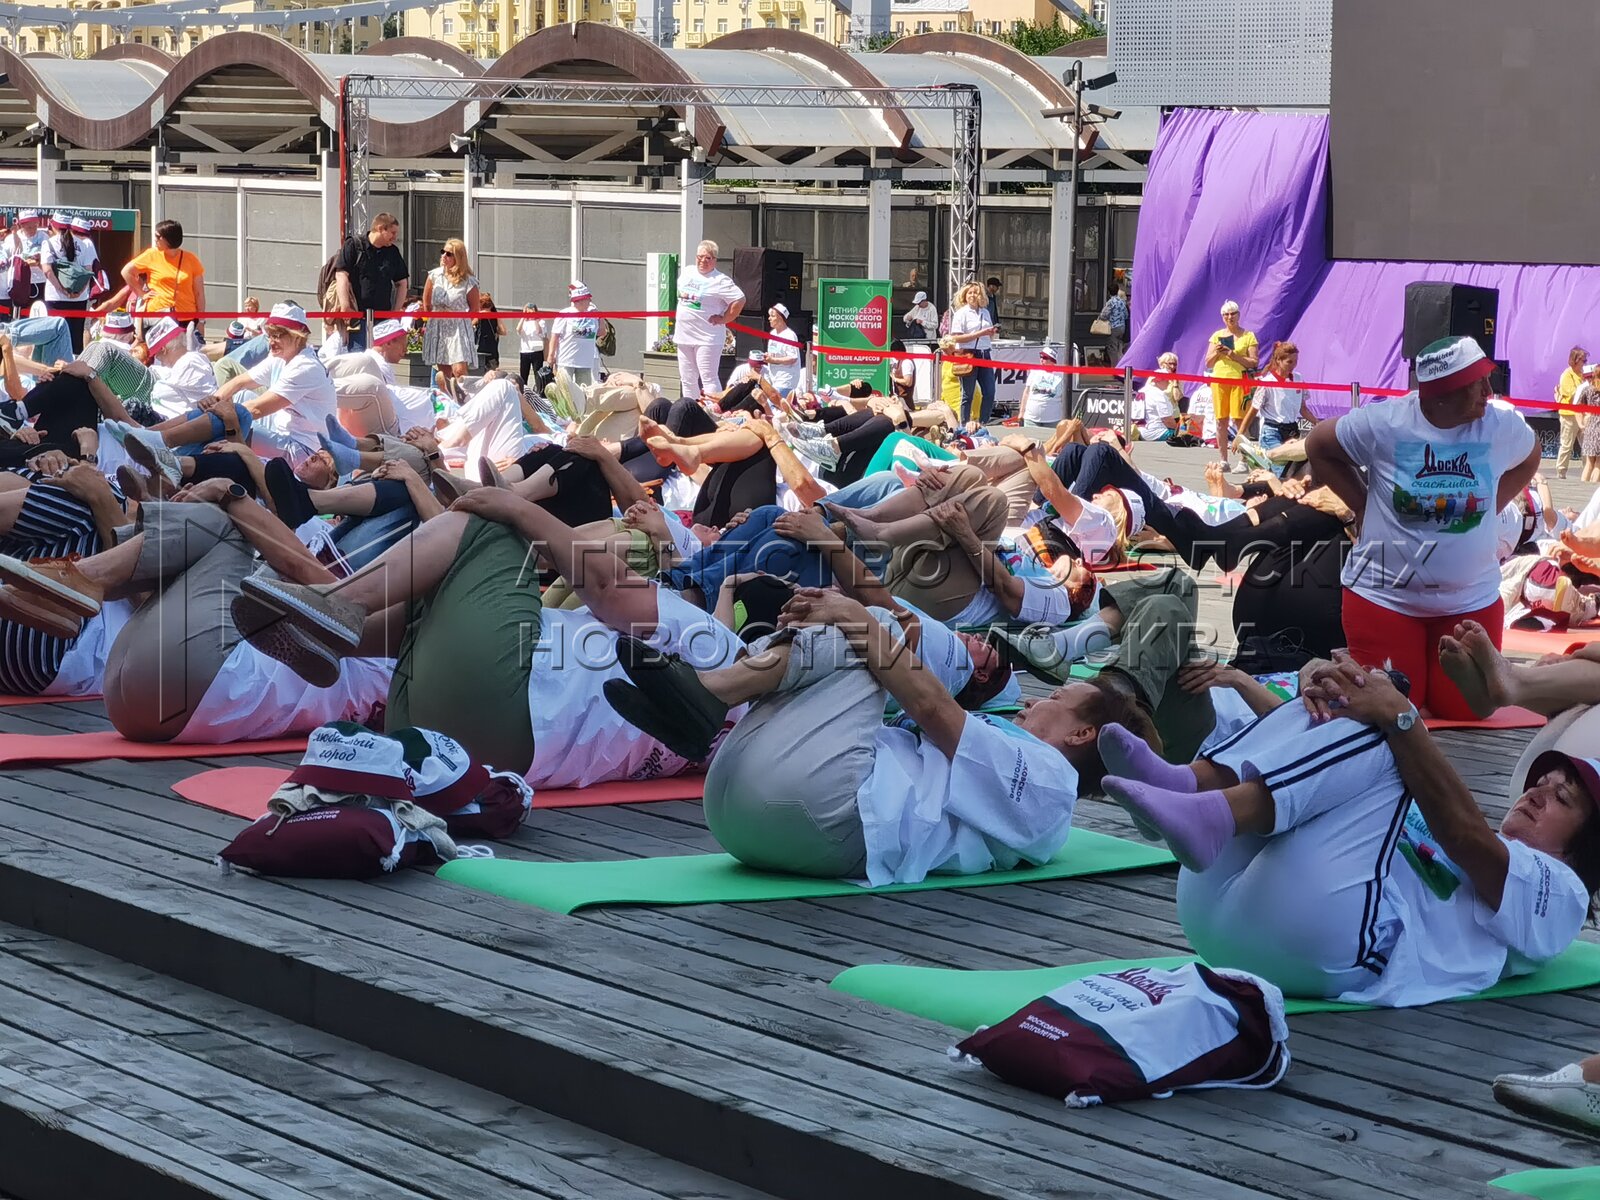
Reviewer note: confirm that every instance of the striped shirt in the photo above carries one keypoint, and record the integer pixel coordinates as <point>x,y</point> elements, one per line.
<point>51,524</point>
<point>127,377</point>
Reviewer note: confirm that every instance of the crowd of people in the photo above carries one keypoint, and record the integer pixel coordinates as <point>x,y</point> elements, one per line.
<point>799,591</point>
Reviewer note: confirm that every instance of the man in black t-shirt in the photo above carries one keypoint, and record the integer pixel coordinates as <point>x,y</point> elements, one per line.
<point>371,275</point>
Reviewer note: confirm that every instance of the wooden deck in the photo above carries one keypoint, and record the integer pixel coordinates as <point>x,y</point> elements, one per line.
<point>169,1031</point>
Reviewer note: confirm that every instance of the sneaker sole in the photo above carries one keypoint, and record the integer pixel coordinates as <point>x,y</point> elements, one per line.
<point>324,626</point>
<point>25,578</point>
<point>645,715</point>
<point>146,459</point>
<point>275,635</point>
<point>1523,1106</point>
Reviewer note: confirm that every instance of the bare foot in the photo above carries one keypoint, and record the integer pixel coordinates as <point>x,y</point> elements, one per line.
<point>864,528</point>
<point>649,429</point>
<point>672,454</point>
<point>1499,686</point>
<point>1464,673</point>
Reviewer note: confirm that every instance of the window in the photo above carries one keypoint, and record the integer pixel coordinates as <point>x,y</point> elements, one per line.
<point>700,26</point>
<point>924,26</point>
<point>722,26</point>
<point>949,26</point>
<point>899,29</point>
<point>996,27</point>
<point>745,24</point>
<point>794,26</point>
<point>772,23</point>
<point>820,26</point>
<point>1097,10</point>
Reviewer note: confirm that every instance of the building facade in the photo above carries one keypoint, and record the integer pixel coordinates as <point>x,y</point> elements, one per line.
<point>77,36</point>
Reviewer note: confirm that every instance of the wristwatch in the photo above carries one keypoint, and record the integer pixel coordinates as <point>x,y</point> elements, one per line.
<point>1404,722</point>
<point>236,491</point>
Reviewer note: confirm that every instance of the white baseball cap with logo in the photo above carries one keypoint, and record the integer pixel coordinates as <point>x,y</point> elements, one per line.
<point>1450,364</point>
<point>160,335</point>
<point>289,315</point>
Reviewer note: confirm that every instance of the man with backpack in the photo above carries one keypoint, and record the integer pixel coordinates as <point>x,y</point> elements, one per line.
<point>369,274</point>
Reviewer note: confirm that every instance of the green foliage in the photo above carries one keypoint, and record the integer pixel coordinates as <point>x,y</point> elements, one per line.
<point>1035,37</point>
<point>879,41</point>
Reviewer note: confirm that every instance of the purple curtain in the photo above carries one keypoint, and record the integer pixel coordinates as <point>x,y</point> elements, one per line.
<point>1236,207</point>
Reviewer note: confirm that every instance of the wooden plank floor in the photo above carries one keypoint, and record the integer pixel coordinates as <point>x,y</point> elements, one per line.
<point>700,1034</point>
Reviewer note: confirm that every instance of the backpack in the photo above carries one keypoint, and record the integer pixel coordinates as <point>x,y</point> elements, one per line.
<point>606,343</point>
<point>326,277</point>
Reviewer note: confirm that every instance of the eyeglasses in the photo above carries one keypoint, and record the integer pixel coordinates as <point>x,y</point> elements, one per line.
<point>447,254</point>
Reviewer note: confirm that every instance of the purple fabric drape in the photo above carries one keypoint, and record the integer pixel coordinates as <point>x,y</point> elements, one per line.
<point>1236,207</point>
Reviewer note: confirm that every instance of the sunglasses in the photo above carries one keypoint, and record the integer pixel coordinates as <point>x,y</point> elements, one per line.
<point>446,254</point>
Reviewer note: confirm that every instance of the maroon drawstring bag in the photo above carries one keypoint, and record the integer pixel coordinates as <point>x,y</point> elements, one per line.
<point>343,841</point>
<point>1139,1034</point>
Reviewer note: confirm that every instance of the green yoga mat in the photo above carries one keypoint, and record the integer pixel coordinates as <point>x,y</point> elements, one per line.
<point>1572,1183</point>
<point>721,879</point>
<point>968,999</point>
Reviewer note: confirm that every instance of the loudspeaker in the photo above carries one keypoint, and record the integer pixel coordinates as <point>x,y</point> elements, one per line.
<point>766,277</point>
<point>1440,310</point>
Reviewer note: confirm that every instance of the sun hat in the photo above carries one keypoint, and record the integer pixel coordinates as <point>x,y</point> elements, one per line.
<point>578,288</point>
<point>1449,364</point>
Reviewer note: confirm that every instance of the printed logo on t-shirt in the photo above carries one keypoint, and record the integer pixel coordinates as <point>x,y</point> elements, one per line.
<point>1446,492</point>
<point>689,299</point>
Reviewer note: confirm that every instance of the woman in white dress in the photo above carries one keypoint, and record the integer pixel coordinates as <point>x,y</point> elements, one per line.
<point>451,345</point>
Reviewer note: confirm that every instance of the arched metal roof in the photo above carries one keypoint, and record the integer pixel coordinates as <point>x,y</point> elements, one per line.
<point>252,91</point>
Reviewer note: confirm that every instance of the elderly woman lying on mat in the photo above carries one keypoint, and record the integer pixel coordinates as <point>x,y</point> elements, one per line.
<point>1332,848</point>
<point>811,781</point>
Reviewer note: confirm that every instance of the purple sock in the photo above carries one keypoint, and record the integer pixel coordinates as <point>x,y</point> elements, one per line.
<point>1196,826</point>
<point>1128,756</point>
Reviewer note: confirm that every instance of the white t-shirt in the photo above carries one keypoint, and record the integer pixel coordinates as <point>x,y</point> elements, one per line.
<point>87,257</point>
<point>531,332</point>
<point>1200,406</point>
<point>254,696</point>
<point>1044,397</point>
<point>576,349</point>
<point>970,320</point>
<point>578,738</point>
<point>1095,530</point>
<point>1277,402</point>
<point>701,296</point>
<point>304,382</point>
<point>1157,407</point>
<point>743,372</point>
<point>1429,531</point>
<point>183,385</point>
<point>332,347</point>
<point>1450,942</point>
<point>494,417</point>
<point>783,376</point>
<point>1006,797</point>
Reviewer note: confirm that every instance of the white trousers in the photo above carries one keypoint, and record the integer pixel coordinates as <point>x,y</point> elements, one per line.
<point>1303,905</point>
<point>699,369</point>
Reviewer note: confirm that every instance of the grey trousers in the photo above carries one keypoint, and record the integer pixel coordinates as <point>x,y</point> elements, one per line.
<point>1159,611</point>
<point>781,791</point>
<point>172,648</point>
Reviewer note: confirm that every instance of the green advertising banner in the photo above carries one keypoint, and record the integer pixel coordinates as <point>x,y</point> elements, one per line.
<point>660,295</point>
<point>117,220</point>
<point>852,314</point>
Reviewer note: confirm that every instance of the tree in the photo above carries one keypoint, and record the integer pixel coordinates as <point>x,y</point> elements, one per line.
<point>391,26</point>
<point>1035,37</point>
<point>341,42</point>
<point>879,41</point>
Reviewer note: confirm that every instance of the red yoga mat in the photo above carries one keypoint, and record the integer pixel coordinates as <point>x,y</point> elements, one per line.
<point>1510,717</point>
<point>244,791</point>
<point>19,701</point>
<point>1549,641</point>
<point>33,750</point>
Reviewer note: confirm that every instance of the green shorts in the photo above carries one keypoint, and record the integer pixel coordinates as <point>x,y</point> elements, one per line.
<point>465,663</point>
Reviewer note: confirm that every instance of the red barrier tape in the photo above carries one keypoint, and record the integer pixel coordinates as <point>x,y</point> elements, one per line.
<point>516,314</point>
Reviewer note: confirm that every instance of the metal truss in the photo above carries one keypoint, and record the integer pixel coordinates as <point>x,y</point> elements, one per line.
<point>962,100</point>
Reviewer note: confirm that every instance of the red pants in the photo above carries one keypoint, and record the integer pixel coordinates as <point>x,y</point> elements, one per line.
<point>1411,644</point>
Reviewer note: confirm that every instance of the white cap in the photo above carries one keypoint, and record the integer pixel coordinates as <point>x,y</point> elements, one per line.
<point>386,331</point>
<point>758,356</point>
<point>118,321</point>
<point>919,297</point>
<point>60,220</point>
<point>782,310</point>
<point>1589,368</point>
<point>29,214</point>
<point>1048,351</point>
<point>82,224</point>
<point>290,315</point>
<point>160,334</point>
<point>1229,306</point>
<point>578,288</point>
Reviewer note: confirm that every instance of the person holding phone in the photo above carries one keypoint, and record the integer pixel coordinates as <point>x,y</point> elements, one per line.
<point>1231,353</point>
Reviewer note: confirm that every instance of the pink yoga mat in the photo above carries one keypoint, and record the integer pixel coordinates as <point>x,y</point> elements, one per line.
<point>30,749</point>
<point>244,791</point>
<point>1511,717</point>
<point>19,701</point>
<point>1549,641</point>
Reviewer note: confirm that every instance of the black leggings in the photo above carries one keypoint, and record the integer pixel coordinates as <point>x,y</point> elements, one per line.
<point>582,493</point>
<point>532,360</point>
<point>1087,470</point>
<point>683,417</point>
<point>859,435</point>
<point>61,406</point>
<point>736,486</point>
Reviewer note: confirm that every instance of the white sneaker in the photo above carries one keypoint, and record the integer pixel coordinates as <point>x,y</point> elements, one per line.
<point>1561,1098</point>
<point>1238,468</point>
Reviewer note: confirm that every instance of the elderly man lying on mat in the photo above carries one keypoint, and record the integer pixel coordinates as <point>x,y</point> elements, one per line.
<point>1333,849</point>
<point>811,781</point>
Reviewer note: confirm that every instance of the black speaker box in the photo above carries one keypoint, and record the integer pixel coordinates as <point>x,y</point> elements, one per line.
<point>766,277</point>
<point>1440,310</point>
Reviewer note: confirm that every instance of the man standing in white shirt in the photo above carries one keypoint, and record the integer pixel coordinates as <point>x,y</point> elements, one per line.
<point>707,302</point>
<point>922,318</point>
<point>783,352</point>
<point>572,345</point>
<point>1044,392</point>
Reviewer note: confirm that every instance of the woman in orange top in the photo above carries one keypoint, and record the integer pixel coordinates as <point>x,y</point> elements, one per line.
<point>167,277</point>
